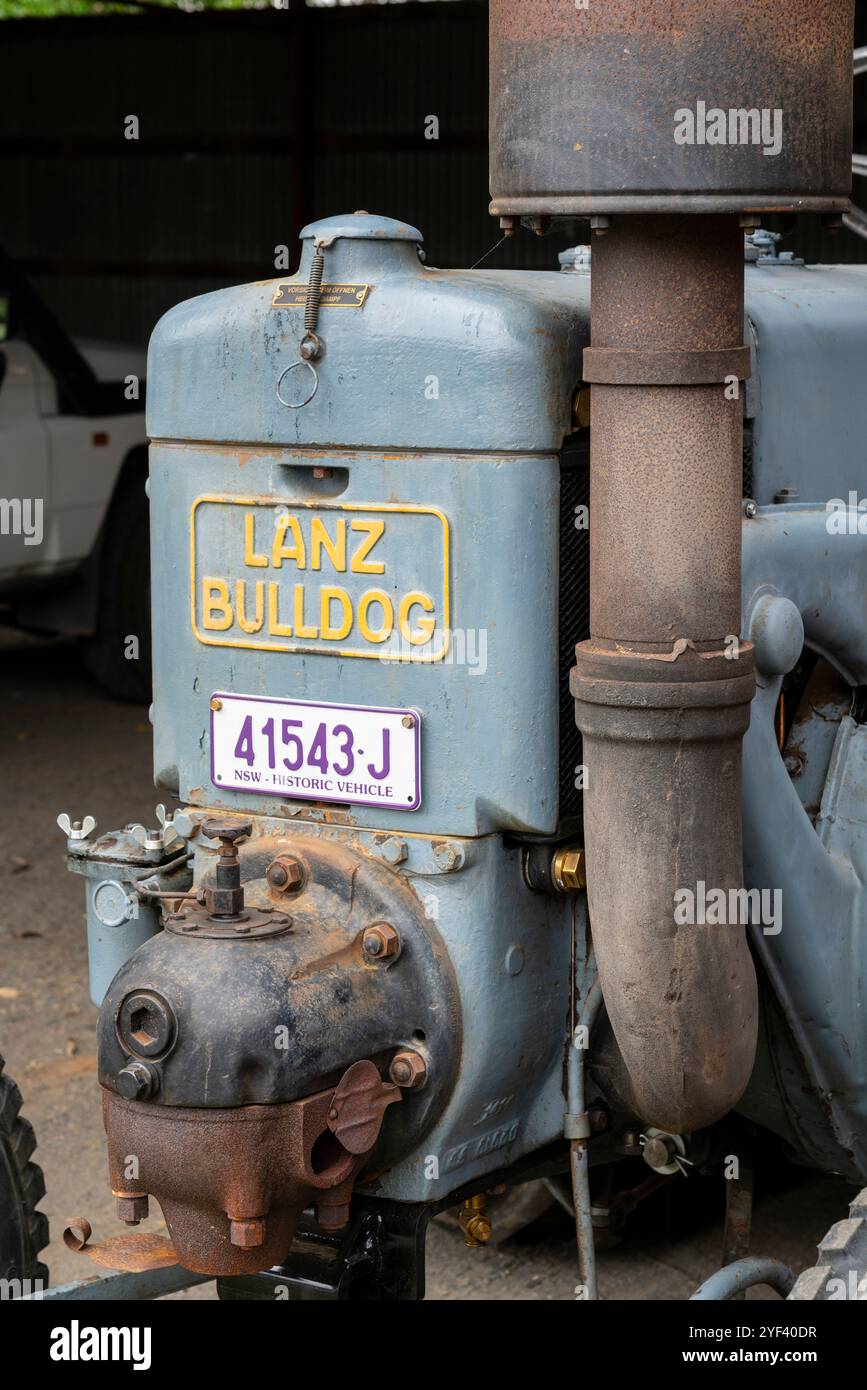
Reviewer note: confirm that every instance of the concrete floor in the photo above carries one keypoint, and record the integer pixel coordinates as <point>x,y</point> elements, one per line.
<point>66,747</point>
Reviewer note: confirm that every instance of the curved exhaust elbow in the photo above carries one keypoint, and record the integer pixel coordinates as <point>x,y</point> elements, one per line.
<point>663,839</point>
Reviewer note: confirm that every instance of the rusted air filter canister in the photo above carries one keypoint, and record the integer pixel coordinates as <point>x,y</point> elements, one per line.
<point>670,105</point>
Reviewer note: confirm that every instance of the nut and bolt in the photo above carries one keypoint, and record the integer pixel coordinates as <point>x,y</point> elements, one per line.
<point>285,874</point>
<point>137,1081</point>
<point>750,508</point>
<point>247,1233</point>
<point>380,942</point>
<point>629,1143</point>
<point>408,1070</point>
<point>132,1210</point>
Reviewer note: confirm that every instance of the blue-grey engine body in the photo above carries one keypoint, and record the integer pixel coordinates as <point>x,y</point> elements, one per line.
<point>442,406</point>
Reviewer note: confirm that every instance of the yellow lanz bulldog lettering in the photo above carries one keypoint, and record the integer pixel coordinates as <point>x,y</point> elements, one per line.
<point>348,581</point>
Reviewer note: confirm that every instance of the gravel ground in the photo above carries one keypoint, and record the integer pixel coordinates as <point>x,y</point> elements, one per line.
<point>66,747</point>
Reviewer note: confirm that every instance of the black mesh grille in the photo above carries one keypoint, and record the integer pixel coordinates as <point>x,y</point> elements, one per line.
<point>748,475</point>
<point>574,611</point>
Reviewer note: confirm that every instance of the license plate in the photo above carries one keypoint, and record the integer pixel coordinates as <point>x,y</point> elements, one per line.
<point>316,752</point>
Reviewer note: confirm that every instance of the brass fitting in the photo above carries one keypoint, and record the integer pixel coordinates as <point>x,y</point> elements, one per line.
<point>581,408</point>
<point>568,870</point>
<point>474,1221</point>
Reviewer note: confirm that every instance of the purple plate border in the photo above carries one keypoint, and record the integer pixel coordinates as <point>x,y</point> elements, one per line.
<point>318,704</point>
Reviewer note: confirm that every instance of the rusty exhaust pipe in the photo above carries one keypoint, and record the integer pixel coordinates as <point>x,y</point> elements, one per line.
<point>602,110</point>
<point>663,686</point>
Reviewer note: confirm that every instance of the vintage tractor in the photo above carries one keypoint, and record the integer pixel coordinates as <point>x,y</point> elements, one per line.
<point>469,587</point>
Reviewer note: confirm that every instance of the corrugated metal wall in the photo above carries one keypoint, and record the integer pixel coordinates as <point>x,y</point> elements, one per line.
<point>250,125</point>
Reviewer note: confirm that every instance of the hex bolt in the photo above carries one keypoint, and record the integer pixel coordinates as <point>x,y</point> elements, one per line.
<point>408,1070</point>
<point>248,1232</point>
<point>394,851</point>
<point>750,508</point>
<point>132,1210</point>
<point>629,1143</point>
<point>380,942</point>
<point>448,857</point>
<point>285,874</point>
<point>332,1216</point>
<point>137,1081</point>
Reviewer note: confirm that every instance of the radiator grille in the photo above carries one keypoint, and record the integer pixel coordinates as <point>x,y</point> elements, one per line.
<point>574,612</point>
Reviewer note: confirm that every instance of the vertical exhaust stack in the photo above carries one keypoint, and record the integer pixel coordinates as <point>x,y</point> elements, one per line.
<point>663,687</point>
<point>667,127</point>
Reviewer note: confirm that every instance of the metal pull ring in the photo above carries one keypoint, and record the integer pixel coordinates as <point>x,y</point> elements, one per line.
<point>296,405</point>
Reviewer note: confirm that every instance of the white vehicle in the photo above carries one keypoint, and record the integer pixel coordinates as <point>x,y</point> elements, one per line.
<point>74,549</point>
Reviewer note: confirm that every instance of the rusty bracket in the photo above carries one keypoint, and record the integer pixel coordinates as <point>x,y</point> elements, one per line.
<point>358,1105</point>
<point>664,367</point>
<point>134,1254</point>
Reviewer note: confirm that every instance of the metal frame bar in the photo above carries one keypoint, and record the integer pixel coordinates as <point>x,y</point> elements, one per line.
<point>744,1274</point>
<point>122,1285</point>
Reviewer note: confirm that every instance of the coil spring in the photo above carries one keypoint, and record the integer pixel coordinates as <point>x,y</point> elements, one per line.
<point>314,290</point>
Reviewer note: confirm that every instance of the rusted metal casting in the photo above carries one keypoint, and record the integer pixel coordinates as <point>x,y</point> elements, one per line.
<point>585,101</point>
<point>663,686</point>
<point>232,1183</point>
